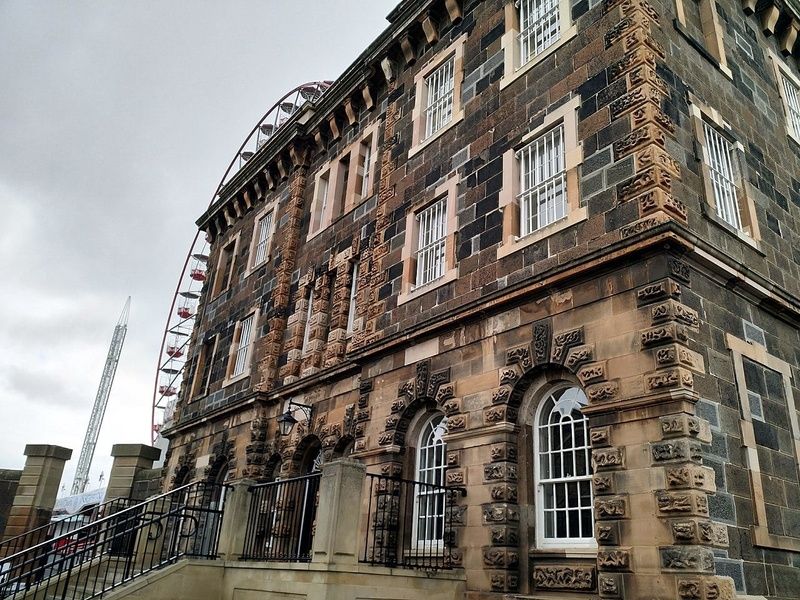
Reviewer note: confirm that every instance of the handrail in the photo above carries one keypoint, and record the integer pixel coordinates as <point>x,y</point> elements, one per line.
<point>91,560</point>
<point>95,510</point>
<point>115,516</point>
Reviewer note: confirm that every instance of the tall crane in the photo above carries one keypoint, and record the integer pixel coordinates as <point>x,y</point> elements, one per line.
<point>100,402</point>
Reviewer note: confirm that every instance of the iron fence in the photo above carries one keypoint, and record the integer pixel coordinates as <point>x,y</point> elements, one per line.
<point>59,527</point>
<point>280,522</point>
<point>88,561</point>
<point>409,523</point>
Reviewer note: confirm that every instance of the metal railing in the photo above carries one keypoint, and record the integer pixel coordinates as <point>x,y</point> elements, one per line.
<point>409,523</point>
<point>95,558</point>
<point>280,522</point>
<point>41,534</point>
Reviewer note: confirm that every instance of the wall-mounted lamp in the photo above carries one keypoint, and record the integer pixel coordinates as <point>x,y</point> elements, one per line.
<point>286,421</point>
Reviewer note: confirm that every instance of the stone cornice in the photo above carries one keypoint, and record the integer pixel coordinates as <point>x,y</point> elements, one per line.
<point>670,236</point>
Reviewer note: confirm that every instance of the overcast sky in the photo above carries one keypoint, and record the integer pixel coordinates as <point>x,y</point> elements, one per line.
<point>117,119</point>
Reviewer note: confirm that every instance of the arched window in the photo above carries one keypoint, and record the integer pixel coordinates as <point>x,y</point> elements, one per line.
<point>562,471</point>
<point>429,497</point>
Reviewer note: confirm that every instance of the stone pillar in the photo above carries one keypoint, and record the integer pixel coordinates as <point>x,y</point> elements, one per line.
<point>234,521</point>
<point>337,535</point>
<point>38,488</point>
<point>129,459</point>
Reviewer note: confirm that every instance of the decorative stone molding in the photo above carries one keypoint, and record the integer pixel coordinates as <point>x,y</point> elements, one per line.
<point>564,578</point>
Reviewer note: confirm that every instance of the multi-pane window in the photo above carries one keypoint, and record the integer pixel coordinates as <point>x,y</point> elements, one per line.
<point>242,355</point>
<point>429,497</point>
<point>540,27</point>
<point>307,330</point>
<point>440,86</point>
<point>791,94</point>
<point>264,232</point>
<point>351,310</point>
<point>322,197</point>
<point>563,471</point>
<point>543,184</point>
<point>718,155</point>
<point>432,231</point>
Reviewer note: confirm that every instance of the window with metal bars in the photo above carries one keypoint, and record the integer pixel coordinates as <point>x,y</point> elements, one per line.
<point>431,238</point>
<point>264,232</point>
<point>718,154</point>
<point>543,185</point>
<point>243,343</point>
<point>351,309</point>
<point>540,27</point>
<point>365,164</point>
<point>791,94</point>
<point>440,88</point>
<point>429,501</point>
<point>563,471</point>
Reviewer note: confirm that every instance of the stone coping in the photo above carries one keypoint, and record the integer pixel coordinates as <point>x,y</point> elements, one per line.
<point>48,451</point>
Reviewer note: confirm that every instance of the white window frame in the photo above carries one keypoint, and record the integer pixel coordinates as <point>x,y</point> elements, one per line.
<point>431,241</point>
<point>365,168</point>
<point>430,465</point>
<point>220,286</point>
<point>351,307</point>
<point>440,90</point>
<point>540,27</point>
<point>411,286</point>
<point>574,401</point>
<point>718,154</point>
<point>543,181</point>
<point>426,98</point>
<point>241,351</point>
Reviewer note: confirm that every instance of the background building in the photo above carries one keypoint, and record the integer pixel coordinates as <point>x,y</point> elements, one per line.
<point>547,251</point>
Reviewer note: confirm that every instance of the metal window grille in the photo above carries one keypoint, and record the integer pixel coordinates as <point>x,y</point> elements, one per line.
<point>792,94</point>
<point>365,167</point>
<point>543,184</point>
<point>323,197</point>
<point>540,27</point>
<point>564,471</point>
<point>718,150</point>
<point>429,500</point>
<point>243,349</point>
<point>440,86</point>
<point>432,227</point>
<point>264,232</point>
<point>351,310</point>
<point>307,330</point>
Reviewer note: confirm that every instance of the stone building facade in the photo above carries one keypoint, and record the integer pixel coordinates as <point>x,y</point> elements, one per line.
<point>561,239</point>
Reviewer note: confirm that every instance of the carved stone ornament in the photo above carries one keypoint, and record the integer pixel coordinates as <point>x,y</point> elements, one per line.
<point>564,578</point>
<point>500,558</point>
<point>687,558</point>
<point>608,458</point>
<point>613,559</point>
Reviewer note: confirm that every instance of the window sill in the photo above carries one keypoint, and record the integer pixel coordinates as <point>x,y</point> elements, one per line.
<point>580,552</point>
<point>236,379</point>
<point>450,275</point>
<point>458,116</point>
<point>510,77</point>
<point>515,244</point>
<point>742,236</point>
<point>257,267</point>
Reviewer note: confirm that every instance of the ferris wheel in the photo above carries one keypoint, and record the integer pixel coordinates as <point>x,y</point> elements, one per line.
<point>172,356</point>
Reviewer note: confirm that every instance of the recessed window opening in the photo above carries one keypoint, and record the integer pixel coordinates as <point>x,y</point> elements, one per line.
<point>429,501</point>
<point>440,87</point>
<point>432,231</point>
<point>718,152</point>
<point>543,185</point>
<point>540,27</point>
<point>351,309</point>
<point>563,471</point>
<point>264,233</point>
<point>243,349</point>
<point>792,95</point>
